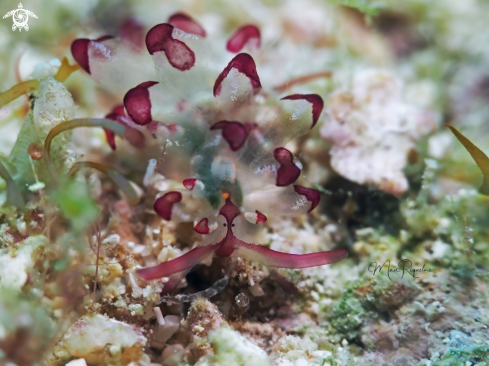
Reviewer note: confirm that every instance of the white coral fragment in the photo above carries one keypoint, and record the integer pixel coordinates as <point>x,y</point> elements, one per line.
<point>294,351</point>
<point>232,349</point>
<point>111,334</point>
<point>372,128</point>
<point>78,362</point>
<point>16,265</point>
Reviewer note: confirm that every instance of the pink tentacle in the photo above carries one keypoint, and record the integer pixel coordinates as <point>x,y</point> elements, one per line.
<point>283,282</point>
<point>272,258</point>
<point>182,263</point>
<point>173,282</point>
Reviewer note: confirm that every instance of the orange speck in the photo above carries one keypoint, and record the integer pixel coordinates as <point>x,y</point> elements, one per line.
<point>225,195</point>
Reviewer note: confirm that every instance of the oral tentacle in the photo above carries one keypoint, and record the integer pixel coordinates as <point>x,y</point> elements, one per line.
<point>248,35</point>
<point>283,282</point>
<point>272,258</point>
<point>182,263</point>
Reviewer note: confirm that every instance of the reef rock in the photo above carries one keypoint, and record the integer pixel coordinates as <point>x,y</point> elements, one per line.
<point>372,128</point>
<point>101,340</point>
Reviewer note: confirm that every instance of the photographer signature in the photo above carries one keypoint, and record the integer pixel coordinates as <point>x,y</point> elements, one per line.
<point>404,266</point>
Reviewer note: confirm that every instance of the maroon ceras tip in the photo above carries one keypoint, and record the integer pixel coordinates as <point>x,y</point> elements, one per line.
<point>288,172</point>
<point>119,110</point>
<point>235,133</point>
<point>133,32</point>
<point>138,103</point>
<point>248,34</point>
<point>311,195</point>
<point>260,218</point>
<point>110,137</point>
<point>79,50</point>
<point>244,64</point>
<point>115,115</point>
<point>187,24</point>
<point>202,227</point>
<point>163,205</point>
<point>134,137</point>
<point>178,54</point>
<point>103,38</point>
<point>314,99</point>
<point>189,183</point>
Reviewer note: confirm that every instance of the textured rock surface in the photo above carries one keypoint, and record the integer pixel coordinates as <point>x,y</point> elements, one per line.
<point>372,128</point>
<point>99,339</point>
<point>203,317</point>
<point>232,349</point>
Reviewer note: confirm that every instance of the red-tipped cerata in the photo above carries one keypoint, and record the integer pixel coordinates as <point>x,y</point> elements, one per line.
<point>202,226</point>
<point>288,171</point>
<point>314,99</point>
<point>189,183</point>
<point>133,32</point>
<point>138,103</point>
<point>311,195</point>
<point>136,138</point>
<point>179,55</point>
<point>79,50</point>
<point>187,24</point>
<point>260,218</point>
<point>109,135</point>
<point>163,205</point>
<point>248,34</point>
<point>244,64</point>
<point>234,133</point>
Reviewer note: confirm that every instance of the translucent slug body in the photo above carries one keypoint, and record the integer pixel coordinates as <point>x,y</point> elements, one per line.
<point>224,139</point>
